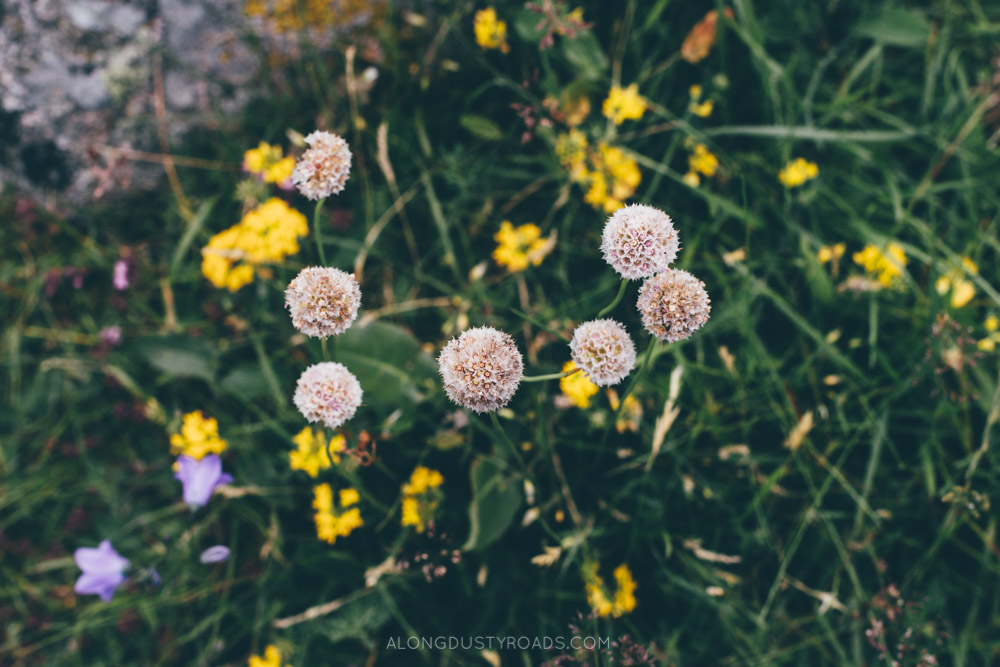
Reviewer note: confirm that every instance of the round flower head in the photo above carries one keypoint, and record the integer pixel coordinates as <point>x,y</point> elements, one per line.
<point>603,350</point>
<point>639,241</point>
<point>323,169</point>
<point>481,369</point>
<point>673,305</point>
<point>327,392</point>
<point>323,301</point>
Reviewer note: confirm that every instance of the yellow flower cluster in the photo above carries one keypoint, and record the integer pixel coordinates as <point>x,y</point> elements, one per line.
<point>421,497</point>
<point>198,438</point>
<point>268,233</point>
<point>313,453</point>
<point>331,521</point>
<point>989,343</point>
<point>577,387</point>
<point>701,161</point>
<point>797,172</point>
<point>597,595</point>
<point>517,247</point>
<point>962,289</point>
<point>608,173</point>
<point>886,266</point>
<point>624,104</point>
<point>700,109</point>
<point>831,253</point>
<point>490,32</point>
<point>272,658</point>
<point>268,162</point>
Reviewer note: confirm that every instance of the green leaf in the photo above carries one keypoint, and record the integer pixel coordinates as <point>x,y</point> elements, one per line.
<point>496,498</point>
<point>194,226</point>
<point>247,380</point>
<point>899,27</point>
<point>481,127</point>
<point>584,52</point>
<point>179,356</point>
<point>389,362</point>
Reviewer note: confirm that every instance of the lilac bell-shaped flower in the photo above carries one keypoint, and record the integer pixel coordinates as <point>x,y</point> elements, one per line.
<point>102,570</point>
<point>200,478</point>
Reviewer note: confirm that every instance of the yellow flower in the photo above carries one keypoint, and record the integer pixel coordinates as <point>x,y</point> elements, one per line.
<point>313,453</point>
<point>691,179</point>
<point>831,253</point>
<point>613,179</point>
<point>703,161</point>
<point>490,33</point>
<point>624,104</point>
<point>704,109</point>
<point>268,162</point>
<point>962,293</point>
<point>886,266</point>
<point>521,246</point>
<point>198,438</point>
<point>992,323</point>
<point>625,590</point>
<point>422,479</point>
<point>986,345</point>
<point>266,234</point>
<point>797,172</point>
<point>577,387</point>
<point>272,658</point>
<point>603,604</point>
<point>962,289</point>
<point>333,522</point>
<point>421,497</point>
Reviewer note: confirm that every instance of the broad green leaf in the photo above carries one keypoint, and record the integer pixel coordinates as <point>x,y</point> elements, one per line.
<point>481,127</point>
<point>179,356</point>
<point>246,379</point>
<point>896,26</point>
<point>388,361</point>
<point>584,52</point>
<point>496,498</point>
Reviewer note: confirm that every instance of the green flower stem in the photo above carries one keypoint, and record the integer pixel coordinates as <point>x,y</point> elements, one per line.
<point>508,441</point>
<point>550,376</point>
<point>618,299</point>
<point>326,350</point>
<point>318,231</point>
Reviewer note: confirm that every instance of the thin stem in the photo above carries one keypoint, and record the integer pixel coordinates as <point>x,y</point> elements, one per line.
<point>550,376</point>
<point>508,441</point>
<point>318,231</point>
<point>618,299</point>
<point>326,350</point>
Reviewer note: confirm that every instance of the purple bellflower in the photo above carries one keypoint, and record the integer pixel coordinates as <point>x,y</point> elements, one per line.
<point>200,478</point>
<point>102,570</point>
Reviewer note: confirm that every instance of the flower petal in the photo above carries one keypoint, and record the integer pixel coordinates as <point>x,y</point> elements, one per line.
<point>200,479</point>
<point>102,560</point>
<point>99,584</point>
